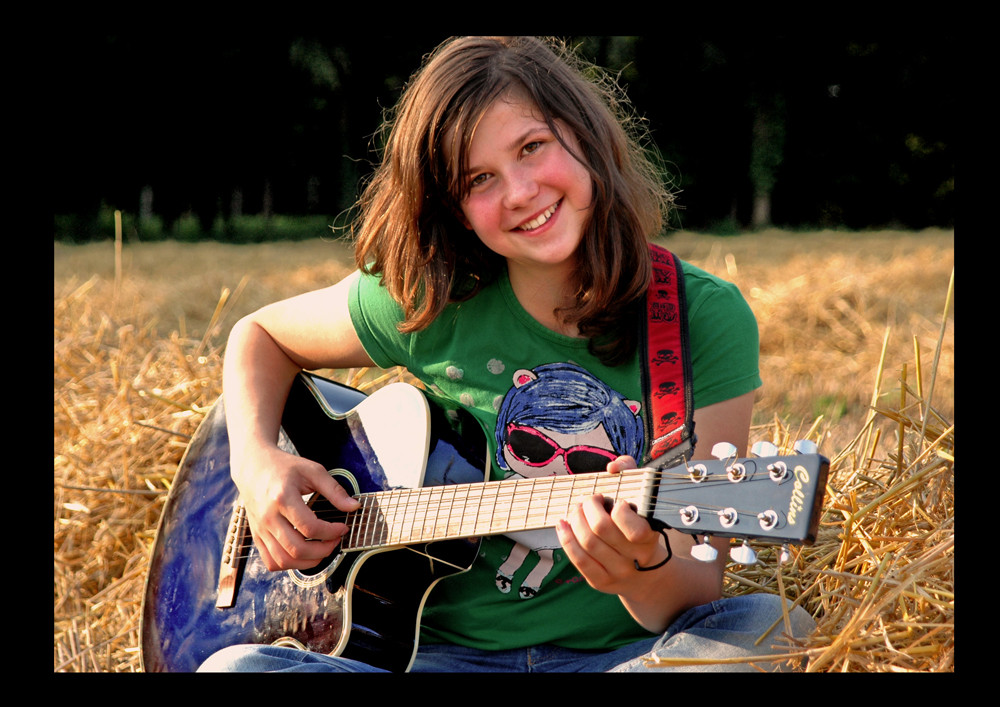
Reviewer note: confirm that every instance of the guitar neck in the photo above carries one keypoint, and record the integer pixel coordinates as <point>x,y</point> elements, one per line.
<point>410,516</point>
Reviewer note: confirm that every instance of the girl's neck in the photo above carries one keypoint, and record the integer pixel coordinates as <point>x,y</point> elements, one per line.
<point>540,295</point>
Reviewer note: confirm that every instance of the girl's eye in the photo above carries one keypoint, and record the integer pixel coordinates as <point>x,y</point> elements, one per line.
<point>532,146</point>
<point>477,180</point>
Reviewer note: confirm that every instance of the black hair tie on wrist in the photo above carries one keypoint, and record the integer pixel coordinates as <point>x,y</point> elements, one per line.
<point>663,532</point>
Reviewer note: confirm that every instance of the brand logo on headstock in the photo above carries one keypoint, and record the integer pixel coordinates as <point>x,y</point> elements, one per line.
<point>796,503</point>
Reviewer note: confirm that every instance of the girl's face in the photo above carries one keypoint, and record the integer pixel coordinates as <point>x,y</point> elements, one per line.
<point>529,198</point>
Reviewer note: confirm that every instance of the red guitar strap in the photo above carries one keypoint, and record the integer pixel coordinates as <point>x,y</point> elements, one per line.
<point>666,363</point>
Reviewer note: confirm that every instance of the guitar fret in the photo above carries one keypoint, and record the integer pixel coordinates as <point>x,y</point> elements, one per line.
<point>400,499</point>
<point>356,520</point>
<point>510,503</point>
<point>420,524</point>
<point>473,499</point>
<point>527,494</point>
<point>366,522</point>
<point>406,514</point>
<point>448,499</point>
<point>539,512</point>
<point>452,507</point>
<point>412,511</point>
<point>520,505</point>
<point>475,511</point>
<point>400,514</point>
<point>535,508</point>
<point>493,509</point>
<point>428,526</point>
<point>375,521</point>
<point>548,504</point>
<point>370,520</point>
<point>392,517</point>
<point>353,524</point>
<point>465,509</point>
<point>437,516</point>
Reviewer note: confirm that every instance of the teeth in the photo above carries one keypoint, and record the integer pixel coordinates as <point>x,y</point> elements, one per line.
<point>535,223</point>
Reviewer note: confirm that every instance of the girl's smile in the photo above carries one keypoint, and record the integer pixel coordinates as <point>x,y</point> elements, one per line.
<point>536,222</point>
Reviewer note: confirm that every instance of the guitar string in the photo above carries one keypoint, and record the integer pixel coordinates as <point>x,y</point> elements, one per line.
<point>436,507</point>
<point>517,500</point>
<point>517,506</point>
<point>381,526</point>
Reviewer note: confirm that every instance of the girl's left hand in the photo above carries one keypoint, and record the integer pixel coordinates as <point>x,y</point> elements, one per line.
<point>604,543</point>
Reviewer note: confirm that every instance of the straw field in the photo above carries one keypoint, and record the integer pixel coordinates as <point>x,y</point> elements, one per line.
<point>857,343</point>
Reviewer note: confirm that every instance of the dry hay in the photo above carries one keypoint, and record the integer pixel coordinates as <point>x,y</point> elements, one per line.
<point>126,402</point>
<point>879,580</point>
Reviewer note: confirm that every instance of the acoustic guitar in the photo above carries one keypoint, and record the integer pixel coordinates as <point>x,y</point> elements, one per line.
<point>418,468</point>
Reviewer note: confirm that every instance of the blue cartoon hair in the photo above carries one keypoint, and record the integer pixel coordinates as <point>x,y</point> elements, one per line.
<point>565,398</point>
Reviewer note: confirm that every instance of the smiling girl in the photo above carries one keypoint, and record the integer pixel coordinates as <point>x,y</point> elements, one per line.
<point>505,237</point>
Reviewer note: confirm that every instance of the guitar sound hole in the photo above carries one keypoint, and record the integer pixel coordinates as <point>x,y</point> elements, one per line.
<point>324,510</point>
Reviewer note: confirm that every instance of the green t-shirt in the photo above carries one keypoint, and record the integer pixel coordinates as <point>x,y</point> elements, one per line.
<point>511,372</point>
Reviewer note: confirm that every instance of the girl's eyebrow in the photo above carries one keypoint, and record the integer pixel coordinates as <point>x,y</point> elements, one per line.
<point>514,144</point>
<point>523,138</point>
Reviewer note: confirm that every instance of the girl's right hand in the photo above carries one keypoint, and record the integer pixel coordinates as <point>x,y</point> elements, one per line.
<point>286,531</point>
<point>264,353</point>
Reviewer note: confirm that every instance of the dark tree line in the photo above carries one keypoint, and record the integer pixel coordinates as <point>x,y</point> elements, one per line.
<point>798,130</point>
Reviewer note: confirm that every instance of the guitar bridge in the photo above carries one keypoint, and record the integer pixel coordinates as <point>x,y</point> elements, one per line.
<point>233,556</point>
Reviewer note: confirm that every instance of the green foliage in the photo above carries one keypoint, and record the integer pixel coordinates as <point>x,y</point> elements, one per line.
<point>725,227</point>
<point>78,228</point>
<point>188,228</point>
<point>259,229</point>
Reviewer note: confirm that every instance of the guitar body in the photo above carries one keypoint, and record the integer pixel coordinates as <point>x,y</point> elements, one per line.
<point>363,605</point>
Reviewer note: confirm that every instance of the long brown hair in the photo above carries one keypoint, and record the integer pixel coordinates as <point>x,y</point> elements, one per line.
<point>408,230</point>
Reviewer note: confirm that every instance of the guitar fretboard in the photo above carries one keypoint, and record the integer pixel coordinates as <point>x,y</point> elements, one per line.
<point>408,516</point>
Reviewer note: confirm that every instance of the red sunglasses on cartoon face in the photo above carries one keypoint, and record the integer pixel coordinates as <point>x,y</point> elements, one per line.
<point>535,449</point>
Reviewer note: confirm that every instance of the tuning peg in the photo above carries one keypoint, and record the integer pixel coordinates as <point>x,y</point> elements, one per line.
<point>724,450</point>
<point>704,551</point>
<point>764,449</point>
<point>785,555</point>
<point>777,471</point>
<point>727,517</point>
<point>805,446</point>
<point>743,554</point>
<point>689,515</point>
<point>698,473</point>
<point>768,519</point>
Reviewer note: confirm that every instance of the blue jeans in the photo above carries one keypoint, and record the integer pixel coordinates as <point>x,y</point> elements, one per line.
<point>728,629</point>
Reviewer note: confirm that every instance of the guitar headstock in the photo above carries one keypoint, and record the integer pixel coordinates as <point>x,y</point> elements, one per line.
<point>766,496</point>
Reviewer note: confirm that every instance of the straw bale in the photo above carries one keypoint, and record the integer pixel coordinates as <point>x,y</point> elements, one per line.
<point>857,349</point>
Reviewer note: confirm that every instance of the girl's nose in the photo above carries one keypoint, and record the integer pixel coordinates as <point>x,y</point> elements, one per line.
<point>521,188</point>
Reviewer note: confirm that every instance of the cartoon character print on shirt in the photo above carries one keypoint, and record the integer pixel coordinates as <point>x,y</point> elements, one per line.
<point>558,419</point>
